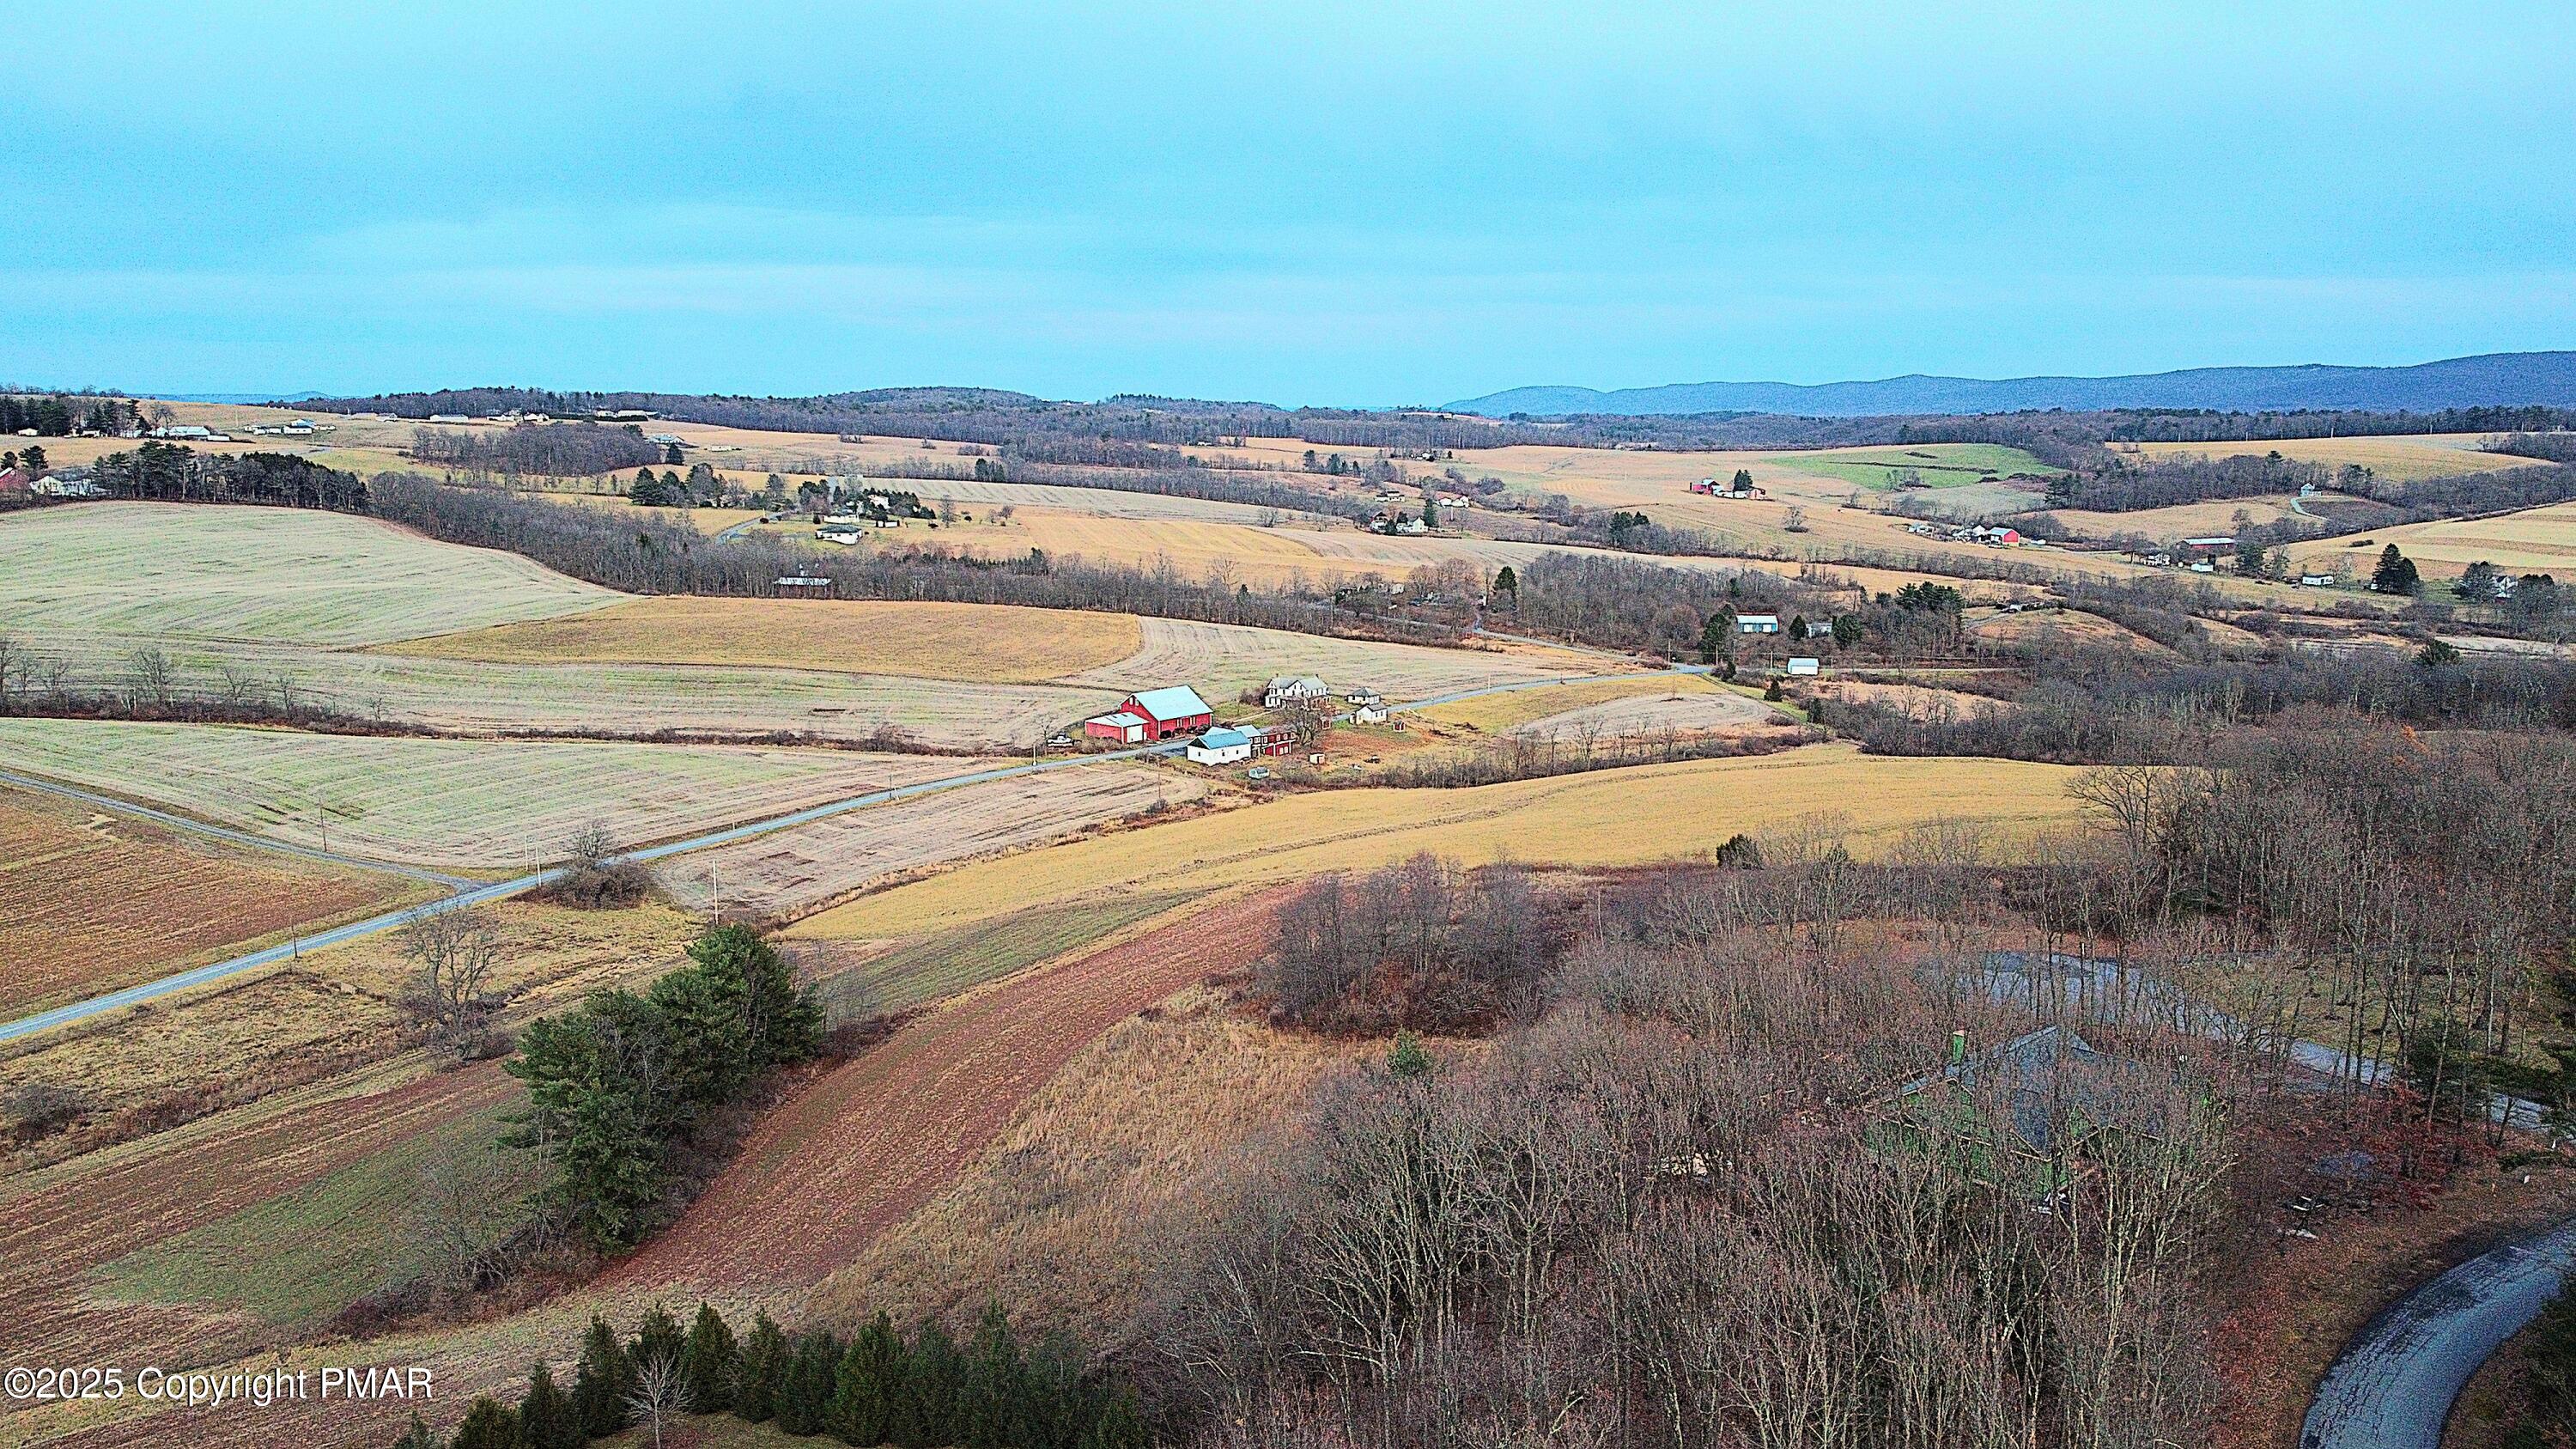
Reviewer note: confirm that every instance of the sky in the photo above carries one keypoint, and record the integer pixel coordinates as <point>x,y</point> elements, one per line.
<point>1365,204</point>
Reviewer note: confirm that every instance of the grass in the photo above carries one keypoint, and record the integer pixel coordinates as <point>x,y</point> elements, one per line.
<point>1939,465</point>
<point>2534,540</point>
<point>2399,459</point>
<point>1059,1216</point>
<point>1225,551</point>
<point>1612,817</point>
<point>296,1259</point>
<point>457,803</point>
<point>949,962</point>
<point>92,902</point>
<point>1494,714</point>
<point>277,575</point>
<point>997,643</point>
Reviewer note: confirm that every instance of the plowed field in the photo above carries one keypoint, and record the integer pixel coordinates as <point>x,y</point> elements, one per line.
<point>1221,659</point>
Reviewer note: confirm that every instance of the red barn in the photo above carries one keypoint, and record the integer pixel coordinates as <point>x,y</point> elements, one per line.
<point>1177,710</point>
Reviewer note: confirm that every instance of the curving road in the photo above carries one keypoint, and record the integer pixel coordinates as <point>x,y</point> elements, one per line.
<point>2395,1383</point>
<point>471,893</point>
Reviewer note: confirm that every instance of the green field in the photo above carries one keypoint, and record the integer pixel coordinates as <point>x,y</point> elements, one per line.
<point>300,1257</point>
<point>457,803</point>
<point>952,961</point>
<point>275,575</point>
<point>1939,465</point>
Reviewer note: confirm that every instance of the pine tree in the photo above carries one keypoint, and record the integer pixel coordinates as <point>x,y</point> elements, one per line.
<point>765,1362</point>
<point>929,1408</point>
<point>658,1339</point>
<point>805,1391</point>
<point>418,1436</point>
<point>2396,573</point>
<point>1117,1425</point>
<point>992,1404</point>
<point>602,1382</point>
<point>1409,1060</point>
<point>869,1385</point>
<point>547,1419</point>
<point>488,1425</point>
<point>710,1363</point>
<point>1798,626</point>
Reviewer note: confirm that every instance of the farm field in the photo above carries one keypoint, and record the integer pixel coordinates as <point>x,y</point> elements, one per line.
<point>275,575</point>
<point>1613,817</point>
<point>458,803</point>
<point>919,972</point>
<point>1196,549</point>
<point>1499,713</point>
<point>788,872</point>
<point>1223,659</point>
<point>2535,540</point>
<point>2183,520</point>
<point>1132,1130</point>
<point>91,902</point>
<point>993,643</point>
<point>1939,465</point>
<point>1670,711</point>
<point>598,699</point>
<point>2049,627</point>
<point>2401,458</point>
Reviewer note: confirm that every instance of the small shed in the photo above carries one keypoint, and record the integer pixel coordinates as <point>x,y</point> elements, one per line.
<point>1806,666</point>
<point>1119,728</point>
<point>803,586</point>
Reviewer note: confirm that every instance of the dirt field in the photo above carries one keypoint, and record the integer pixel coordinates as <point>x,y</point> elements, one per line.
<point>1675,711</point>
<point>1612,817</point>
<point>2402,458</point>
<point>457,803</point>
<point>2535,540</point>
<point>994,643</point>
<point>793,871</point>
<point>1222,659</point>
<point>1060,1211</point>
<point>91,902</point>
<point>1498,713</point>
<point>278,575</point>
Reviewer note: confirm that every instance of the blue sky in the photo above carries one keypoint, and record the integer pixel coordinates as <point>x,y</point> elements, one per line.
<point>1313,203</point>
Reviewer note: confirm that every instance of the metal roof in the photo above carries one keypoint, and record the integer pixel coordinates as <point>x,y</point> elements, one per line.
<point>1177,701</point>
<point>1224,737</point>
<point>1122,719</point>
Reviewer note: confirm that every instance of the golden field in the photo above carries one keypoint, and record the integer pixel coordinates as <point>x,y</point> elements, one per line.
<point>2401,458</point>
<point>2535,540</point>
<point>1608,818</point>
<point>992,643</point>
<point>1494,714</point>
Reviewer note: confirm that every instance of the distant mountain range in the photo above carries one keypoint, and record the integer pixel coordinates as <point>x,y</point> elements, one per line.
<point>2498,379</point>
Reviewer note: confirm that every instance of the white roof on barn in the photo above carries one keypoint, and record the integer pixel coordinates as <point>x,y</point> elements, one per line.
<point>1173,702</point>
<point>1121,720</point>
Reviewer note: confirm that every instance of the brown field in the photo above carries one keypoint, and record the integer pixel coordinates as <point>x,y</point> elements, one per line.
<point>1062,1211</point>
<point>1919,700</point>
<point>789,872</point>
<point>1610,817</point>
<point>1196,550</point>
<point>1222,659</point>
<point>2050,628</point>
<point>1652,715</point>
<point>1497,713</point>
<point>2182,520</point>
<point>2402,458</point>
<point>91,902</point>
<point>2535,540</point>
<point>994,643</point>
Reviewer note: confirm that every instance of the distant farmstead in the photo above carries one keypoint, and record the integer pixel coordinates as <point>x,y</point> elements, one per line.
<point>803,586</point>
<point>1288,688</point>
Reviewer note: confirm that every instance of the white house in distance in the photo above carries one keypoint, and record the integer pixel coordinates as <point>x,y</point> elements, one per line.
<point>1220,746</point>
<point>1288,688</point>
<point>1370,713</point>
<point>1805,666</point>
<point>2317,581</point>
<point>1757,623</point>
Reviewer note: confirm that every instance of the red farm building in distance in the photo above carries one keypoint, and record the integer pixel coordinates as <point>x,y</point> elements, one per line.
<point>1153,714</point>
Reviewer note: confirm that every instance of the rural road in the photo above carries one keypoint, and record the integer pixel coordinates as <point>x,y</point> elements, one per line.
<point>473,893</point>
<point>2395,1383</point>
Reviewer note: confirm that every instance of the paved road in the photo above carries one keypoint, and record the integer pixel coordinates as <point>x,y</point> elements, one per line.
<point>472,893</point>
<point>2396,1381</point>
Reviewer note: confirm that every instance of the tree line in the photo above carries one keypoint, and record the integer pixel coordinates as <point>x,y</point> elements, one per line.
<point>59,415</point>
<point>923,1390</point>
<point>555,450</point>
<point>168,473</point>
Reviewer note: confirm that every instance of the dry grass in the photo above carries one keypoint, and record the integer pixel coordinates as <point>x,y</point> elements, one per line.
<point>2401,459</point>
<point>460,803</point>
<point>1672,712</point>
<point>273,575</point>
<point>1224,552</point>
<point>792,871</point>
<point>92,902</point>
<point>1061,1217</point>
<point>1497,713</point>
<point>1222,659</point>
<point>2063,628</point>
<point>2182,520</point>
<point>993,643</point>
<point>2535,540</point>
<point>1612,817</point>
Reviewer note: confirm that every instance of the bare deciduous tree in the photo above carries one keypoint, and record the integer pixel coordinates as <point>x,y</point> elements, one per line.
<point>453,954</point>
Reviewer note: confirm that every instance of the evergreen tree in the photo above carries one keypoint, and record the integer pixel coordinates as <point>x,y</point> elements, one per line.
<point>781,1022</point>
<point>2396,573</point>
<point>1798,626</point>
<point>765,1362</point>
<point>1508,582</point>
<point>1846,630</point>
<point>929,1409</point>
<point>1409,1060</point>
<point>993,1400</point>
<point>805,1391</point>
<point>1058,1403</point>
<point>1117,1424</point>
<point>658,1339</point>
<point>602,1382</point>
<point>418,1436</point>
<point>709,1365</point>
<point>1717,635</point>
<point>1743,479</point>
<point>488,1425</point>
<point>547,1419</point>
<point>870,1384</point>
